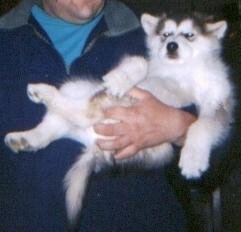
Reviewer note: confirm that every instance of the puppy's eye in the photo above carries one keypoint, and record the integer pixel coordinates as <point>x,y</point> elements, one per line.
<point>188,35</point>
<point>167,34</point>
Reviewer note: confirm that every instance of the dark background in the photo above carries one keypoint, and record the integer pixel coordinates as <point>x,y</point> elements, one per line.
<point>227,174</point>
<point>5,5</point>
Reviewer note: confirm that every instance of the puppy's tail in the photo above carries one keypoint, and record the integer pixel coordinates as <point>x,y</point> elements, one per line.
<point>75,183</point>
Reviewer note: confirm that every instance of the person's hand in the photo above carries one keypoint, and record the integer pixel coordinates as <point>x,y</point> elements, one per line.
<point>147,123</point>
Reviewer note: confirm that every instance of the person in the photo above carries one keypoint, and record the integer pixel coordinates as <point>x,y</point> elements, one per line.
<point>51,41</point>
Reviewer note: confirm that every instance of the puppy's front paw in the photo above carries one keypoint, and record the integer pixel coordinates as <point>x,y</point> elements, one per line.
<point>40,93</point>
<point>117,83</point>
<point>193,162</point>
<point>16,141</point>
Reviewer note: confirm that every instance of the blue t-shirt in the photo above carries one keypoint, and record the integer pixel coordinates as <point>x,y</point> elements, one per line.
<point>68,38</point>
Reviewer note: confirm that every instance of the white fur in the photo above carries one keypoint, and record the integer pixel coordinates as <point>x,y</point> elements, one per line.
<point>196,75</point>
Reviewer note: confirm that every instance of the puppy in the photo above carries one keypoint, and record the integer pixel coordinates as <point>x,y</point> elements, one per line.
<point>184,67</point>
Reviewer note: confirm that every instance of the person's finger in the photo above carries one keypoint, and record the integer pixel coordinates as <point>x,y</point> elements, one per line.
<point>126,152</point>
<point>138,93</point>
<point>113,144</point>
<point>112,129</point>
<point>116,113</point>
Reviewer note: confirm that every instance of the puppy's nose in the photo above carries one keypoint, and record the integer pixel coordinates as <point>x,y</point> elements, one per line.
<point>172,47</point>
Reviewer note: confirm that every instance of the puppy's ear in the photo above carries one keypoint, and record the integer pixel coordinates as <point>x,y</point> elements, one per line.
<point>217,29</point>
<point>149,23</point>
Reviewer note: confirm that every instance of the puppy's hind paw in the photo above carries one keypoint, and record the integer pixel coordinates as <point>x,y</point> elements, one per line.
<point>40,93</point>
<point>16,142</point>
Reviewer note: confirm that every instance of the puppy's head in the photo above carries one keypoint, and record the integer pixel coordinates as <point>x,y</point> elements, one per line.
<point>180,38</point>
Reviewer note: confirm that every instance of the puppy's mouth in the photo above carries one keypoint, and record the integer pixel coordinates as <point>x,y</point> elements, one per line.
<point>172,56</point>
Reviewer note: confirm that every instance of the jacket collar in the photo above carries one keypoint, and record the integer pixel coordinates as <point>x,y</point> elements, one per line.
<point>119,18</point>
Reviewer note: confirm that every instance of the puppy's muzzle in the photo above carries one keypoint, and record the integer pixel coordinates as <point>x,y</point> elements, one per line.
<point>172,48</point>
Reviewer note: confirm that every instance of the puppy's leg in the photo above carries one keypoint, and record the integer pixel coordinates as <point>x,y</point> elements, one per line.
<point>127,74</point>
<point>51,128</point>
<point>75,183</point>
<point>73,111</point>
<point>201,137</point>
